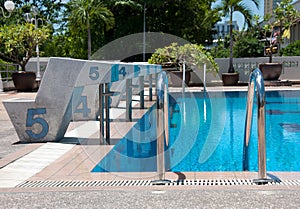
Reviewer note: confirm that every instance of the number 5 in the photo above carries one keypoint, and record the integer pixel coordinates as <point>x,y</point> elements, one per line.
<point>94,74</point>
<point>31,120</point>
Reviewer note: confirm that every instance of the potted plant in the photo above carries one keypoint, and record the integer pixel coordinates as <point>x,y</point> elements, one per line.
<point>18,43</point>
<point>277,28</point>
<point>227,8</point>
<point>176,59</point>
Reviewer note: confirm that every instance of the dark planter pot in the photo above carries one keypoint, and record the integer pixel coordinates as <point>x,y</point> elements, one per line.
<point>230,79</point>
<point>270,71</point>
<point>176,77</point>
<point>24,81</point>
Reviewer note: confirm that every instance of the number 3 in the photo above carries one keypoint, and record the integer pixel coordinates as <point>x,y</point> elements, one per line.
<point>31,120</point>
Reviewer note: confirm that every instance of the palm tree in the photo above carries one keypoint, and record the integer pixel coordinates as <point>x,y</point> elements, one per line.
<point>82,12</point>
<point>228,7</point>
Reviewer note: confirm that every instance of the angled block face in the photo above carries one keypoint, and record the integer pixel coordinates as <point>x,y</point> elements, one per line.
<point>69,91</point>
<point>17,111</point>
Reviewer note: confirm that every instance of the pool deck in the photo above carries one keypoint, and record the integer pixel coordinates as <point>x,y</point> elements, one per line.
<point>65,167</point>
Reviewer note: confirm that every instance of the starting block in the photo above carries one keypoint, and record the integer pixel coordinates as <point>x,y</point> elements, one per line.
<point>72,89</point>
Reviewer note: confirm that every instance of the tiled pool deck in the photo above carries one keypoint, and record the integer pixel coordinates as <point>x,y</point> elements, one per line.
<point>66,165</point>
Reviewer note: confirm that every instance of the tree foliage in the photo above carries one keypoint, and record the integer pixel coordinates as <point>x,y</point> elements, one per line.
<point>193,55</point>
<point>87,15</point>
<point>292,49</point>
<point>283,17</point>
<point>80,27</point>
<point>18,42</point>
<point>248,43</point>
<point>191,19</point>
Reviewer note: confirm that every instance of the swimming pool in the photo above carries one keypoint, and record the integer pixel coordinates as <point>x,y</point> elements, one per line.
<point>207,133</point>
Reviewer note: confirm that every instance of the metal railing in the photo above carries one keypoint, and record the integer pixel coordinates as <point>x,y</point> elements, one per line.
<point>6,71</point>
<point>256,81</point>
<point>162,126</point>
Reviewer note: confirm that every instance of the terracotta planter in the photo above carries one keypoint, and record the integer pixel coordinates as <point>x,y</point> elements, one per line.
<point>24,81</point>
<point>230,79</point>
<point>176,77</point>
<point>270,71</point>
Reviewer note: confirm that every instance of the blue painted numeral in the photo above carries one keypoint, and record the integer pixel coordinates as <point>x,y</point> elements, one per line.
<point>84,109</point>
<point>78,99</point>
<point>122,71</point>
<point>31,120</point>
<point>94,73</point>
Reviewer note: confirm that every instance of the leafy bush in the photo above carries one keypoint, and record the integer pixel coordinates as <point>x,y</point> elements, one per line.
<point>192,54</point>
<point>18,42</point>
<point>292,49</point>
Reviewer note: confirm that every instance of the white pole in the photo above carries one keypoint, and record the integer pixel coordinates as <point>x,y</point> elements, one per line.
<point>38,73</point>
<point>204,78</point>
<point>144,34</point>
<point>183,78</point>
<point>1,84</point>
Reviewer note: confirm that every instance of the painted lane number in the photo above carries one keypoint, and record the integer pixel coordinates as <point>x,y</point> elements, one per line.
<point>84,107</point>
<point>122,72</point>
<point>32,119</point>
<point>94,73</point>
<point>80,102</point>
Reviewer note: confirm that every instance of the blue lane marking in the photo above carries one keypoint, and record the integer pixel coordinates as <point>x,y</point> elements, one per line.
<point>114,73</point>
<point>137,70</point>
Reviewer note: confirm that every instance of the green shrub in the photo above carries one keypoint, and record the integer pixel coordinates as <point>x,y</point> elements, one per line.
<point>292,49</point>
<point>192,54</point>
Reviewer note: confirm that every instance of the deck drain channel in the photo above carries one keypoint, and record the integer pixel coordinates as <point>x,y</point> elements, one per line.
<point>128,183</point>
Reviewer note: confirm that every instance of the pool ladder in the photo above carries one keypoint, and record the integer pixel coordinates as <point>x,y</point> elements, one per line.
<point>162,126</point>
<point>256,80</point>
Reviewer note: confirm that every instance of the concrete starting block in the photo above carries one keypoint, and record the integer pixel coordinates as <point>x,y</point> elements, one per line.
<point>70,91</point>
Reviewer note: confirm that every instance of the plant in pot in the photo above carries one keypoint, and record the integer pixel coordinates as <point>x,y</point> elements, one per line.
<point>180,60</point>
<point>18,43</point>
<point>227,8</point>
<point>277,28</point>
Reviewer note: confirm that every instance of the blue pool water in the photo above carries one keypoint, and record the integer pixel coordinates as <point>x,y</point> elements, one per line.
<point>207,133</point>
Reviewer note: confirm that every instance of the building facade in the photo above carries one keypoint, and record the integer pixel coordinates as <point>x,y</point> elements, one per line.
<point>295,29</point>
<point>270,5</point>
<point>223,28</point>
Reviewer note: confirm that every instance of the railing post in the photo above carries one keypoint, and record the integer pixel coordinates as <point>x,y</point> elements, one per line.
<point>150,87</point>
<point>129,99</point>
<point>104,96</point>
<point>141,92</point>
<point>256,80</point>
<point>162,126</point>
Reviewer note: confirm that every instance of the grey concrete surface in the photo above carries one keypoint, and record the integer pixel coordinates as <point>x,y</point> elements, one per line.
<point>8,135</point>
<point>153,199</point>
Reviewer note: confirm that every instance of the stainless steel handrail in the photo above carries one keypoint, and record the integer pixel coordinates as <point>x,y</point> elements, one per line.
<point>162,126</point>
<point>256,81</point>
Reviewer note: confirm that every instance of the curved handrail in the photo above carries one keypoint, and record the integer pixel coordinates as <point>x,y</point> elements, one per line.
<point>256,81</point>
<point>162,124</point>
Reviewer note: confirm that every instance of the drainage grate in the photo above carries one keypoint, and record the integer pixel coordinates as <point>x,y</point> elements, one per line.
<point>127,183</point>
